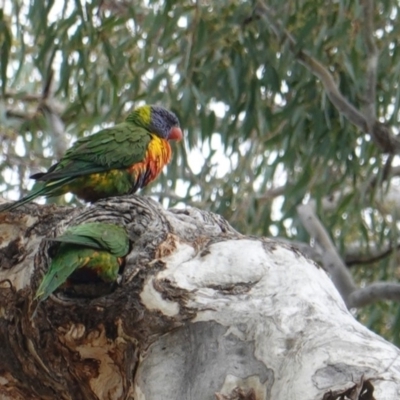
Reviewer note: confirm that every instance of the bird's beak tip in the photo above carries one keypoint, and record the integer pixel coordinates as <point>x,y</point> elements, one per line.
<point>175,134</point>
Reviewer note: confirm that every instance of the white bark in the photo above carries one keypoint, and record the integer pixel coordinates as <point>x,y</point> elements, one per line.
<point>266,319</point>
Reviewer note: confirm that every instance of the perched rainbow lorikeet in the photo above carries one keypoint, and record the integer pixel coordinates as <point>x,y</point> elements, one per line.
<point>96,248</point>
<point>112,162</point>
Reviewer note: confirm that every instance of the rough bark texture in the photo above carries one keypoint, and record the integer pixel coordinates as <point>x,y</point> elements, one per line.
<point>200,312</point>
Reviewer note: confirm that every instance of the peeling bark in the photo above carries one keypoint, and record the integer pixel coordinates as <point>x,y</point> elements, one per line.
<point>200,312</point>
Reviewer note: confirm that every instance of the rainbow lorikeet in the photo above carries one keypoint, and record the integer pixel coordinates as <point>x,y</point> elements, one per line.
<point>112,162</point>
<point>94,248</point>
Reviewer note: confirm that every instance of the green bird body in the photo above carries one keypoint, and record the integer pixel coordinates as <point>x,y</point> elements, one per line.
<point>96,248</point>
<point>112,162</point>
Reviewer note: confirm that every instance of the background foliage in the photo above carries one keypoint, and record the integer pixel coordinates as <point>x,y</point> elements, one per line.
<point>261,135</point>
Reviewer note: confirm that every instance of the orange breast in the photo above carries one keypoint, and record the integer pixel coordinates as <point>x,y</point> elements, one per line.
<point>158,155</point>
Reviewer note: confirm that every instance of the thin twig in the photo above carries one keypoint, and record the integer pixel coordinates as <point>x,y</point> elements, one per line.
<point>18,115</point>
<point>370,258</point>
<point>22,96</point>
<point>272,193</point>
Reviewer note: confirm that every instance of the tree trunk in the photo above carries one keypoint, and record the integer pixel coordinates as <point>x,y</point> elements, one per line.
<point>200,312</point>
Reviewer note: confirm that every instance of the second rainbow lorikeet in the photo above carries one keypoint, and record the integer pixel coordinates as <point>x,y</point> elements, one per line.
<point>95,248</point>
<point>112,162</point>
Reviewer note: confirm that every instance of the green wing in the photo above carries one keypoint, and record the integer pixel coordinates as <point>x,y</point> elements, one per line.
<point>118,147</point>
<point>69,259</point>
<point>97,235</point>
<point>62,266</point>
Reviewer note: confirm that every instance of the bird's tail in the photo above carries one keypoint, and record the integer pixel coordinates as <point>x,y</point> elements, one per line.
<point>47,189</point>
<point>31,196</point>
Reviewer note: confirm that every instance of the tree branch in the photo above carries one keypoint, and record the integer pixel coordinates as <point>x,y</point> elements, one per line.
<point>342,279</point>
<point>332,90</point>
<point>18,115</point>
<point>22,96</point>
<point>272,193</point>
<point>374,292</point>
<point>56,127</point>
<point>374,255</point>
<point>380,133</point>
<point>330,259</point>
<point>311,252</point>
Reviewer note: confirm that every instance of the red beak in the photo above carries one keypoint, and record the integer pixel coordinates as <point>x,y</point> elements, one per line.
<point>175,134</point>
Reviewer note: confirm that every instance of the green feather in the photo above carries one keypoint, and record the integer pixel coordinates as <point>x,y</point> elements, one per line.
<point>114,148</point>
<point>97,235</point>
<point>94,245</point>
